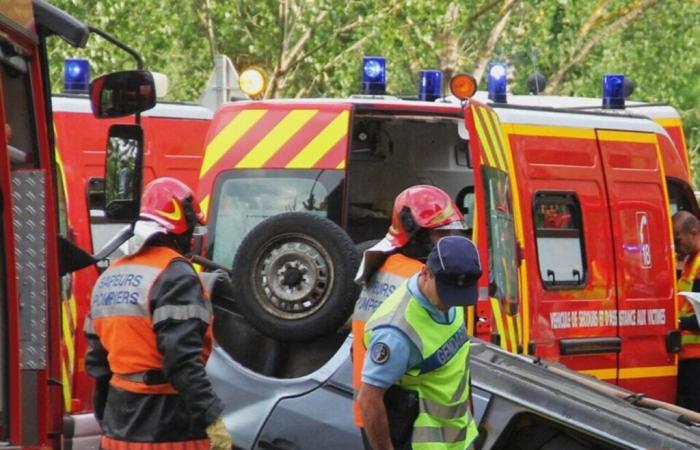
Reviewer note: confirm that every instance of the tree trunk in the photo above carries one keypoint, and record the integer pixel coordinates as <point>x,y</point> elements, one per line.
<point>487,50</point>
<point>583,51</point>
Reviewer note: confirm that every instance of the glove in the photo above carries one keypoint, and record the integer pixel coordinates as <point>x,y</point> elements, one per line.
<point>219,437</point>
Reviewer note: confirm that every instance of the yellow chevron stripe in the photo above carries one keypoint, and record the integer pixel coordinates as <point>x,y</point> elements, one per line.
<point>322,143</point>
<point>204,205</point>
<point>626,136</point>
<point>544,130</point>
<point>67,393</point>
<point>341,165</point>
<point>470,320</point>
<point>228,136</point>
<point>486,153</point>
<point>496,148</point>
<point>500,139</point>
<point>511,334</point>
<point>500,329</point>
<point>68,338</point>
<point>276,138</point>
<point>524,313</point>
<point>669,122</point>
<point>519,331</point>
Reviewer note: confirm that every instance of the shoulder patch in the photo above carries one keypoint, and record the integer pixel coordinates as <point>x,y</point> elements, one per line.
<point>380,353</point>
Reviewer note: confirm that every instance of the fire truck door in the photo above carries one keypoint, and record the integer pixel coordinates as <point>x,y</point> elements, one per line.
<point>497,229</point>
<point>644,266</point>
<point>571,300</point>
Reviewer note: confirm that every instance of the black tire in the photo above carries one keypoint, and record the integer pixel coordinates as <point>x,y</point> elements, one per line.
<point>312,291</point>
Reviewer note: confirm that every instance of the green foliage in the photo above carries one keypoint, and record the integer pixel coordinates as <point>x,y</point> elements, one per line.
<point>314,48</point>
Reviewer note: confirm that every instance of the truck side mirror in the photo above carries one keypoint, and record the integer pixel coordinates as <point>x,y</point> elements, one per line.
<point>123,172</point>
<point>122,93</point>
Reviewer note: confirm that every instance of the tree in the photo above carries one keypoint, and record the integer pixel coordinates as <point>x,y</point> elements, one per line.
<point>313,48</point>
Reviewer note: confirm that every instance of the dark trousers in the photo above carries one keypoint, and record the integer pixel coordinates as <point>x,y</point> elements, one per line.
<point>689,384</point>
<point>368,446</point>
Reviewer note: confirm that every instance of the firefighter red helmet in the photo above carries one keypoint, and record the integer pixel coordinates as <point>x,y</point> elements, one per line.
<point>422,206</point>
<point>171,203</point>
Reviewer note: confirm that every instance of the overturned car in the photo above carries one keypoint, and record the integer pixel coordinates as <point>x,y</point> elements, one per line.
<point>286,395</point>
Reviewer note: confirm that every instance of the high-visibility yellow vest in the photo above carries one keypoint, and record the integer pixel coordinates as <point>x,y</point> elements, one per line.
<point>690,340</point>
<point>396,269</point>
<point>444,421</point>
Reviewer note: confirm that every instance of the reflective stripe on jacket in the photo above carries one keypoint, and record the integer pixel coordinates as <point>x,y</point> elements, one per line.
<point>121,316</point>
<point>441,380</point>
<point>690,340</point>
<point>396,269</point>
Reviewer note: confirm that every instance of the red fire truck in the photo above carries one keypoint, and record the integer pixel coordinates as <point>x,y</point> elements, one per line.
<point>36,256</point>
<point>569,202</point>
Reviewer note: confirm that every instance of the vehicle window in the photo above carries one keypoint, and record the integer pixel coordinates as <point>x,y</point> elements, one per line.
<point>19,113</point>
<point>503,270</point>
<point>543,434</point>
<point>679,196</point>
<point>244,198</point>
<point>559,238</point>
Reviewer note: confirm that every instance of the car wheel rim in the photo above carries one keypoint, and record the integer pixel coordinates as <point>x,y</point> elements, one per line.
<point>293,276</point>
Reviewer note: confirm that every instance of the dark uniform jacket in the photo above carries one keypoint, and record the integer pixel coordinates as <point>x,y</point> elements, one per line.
<point>172,402</point>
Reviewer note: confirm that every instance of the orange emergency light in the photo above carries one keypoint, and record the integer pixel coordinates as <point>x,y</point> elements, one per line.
<point>463,86</point>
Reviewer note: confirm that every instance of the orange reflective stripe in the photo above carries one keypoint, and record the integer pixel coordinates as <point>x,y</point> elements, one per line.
<point>141,388</point>
<point>107,443</point>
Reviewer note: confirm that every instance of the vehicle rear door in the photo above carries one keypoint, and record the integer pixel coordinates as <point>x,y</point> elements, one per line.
<point>567,245</point>
<point>644,266</point>
<point>495,230</point>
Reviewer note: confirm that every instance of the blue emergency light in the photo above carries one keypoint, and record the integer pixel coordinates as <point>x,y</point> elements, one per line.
<point>497,82</point>
<point>430,85</point>
<point>76,76</point>
<point>373,75</point>
<point>614,91</point>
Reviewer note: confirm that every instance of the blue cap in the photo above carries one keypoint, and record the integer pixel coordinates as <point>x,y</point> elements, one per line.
<point>455,263</point>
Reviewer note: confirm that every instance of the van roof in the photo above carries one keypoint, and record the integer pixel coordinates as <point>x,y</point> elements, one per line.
<point>81,104</point>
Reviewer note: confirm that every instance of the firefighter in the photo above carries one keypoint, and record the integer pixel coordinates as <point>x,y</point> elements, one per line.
<point>686,234</point>
<point>149,333</point>
<point>421,215</point>
<point>415,390</point>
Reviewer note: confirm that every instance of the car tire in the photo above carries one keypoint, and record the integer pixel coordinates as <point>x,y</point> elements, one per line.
<point>293,276</point>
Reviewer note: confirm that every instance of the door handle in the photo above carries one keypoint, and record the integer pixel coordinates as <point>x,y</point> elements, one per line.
<point>589,346</point>
<point>277,444</point>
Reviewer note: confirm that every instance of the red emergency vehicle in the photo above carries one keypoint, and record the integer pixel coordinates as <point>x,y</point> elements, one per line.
<point>569,203</point>
<point>174,137</point>
<point>34,250</point>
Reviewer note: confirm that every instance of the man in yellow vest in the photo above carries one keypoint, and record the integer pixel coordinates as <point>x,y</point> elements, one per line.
<point>415,388</point>
<point>421,215</point>
<point>150,333</point>
<point>686,231</point>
